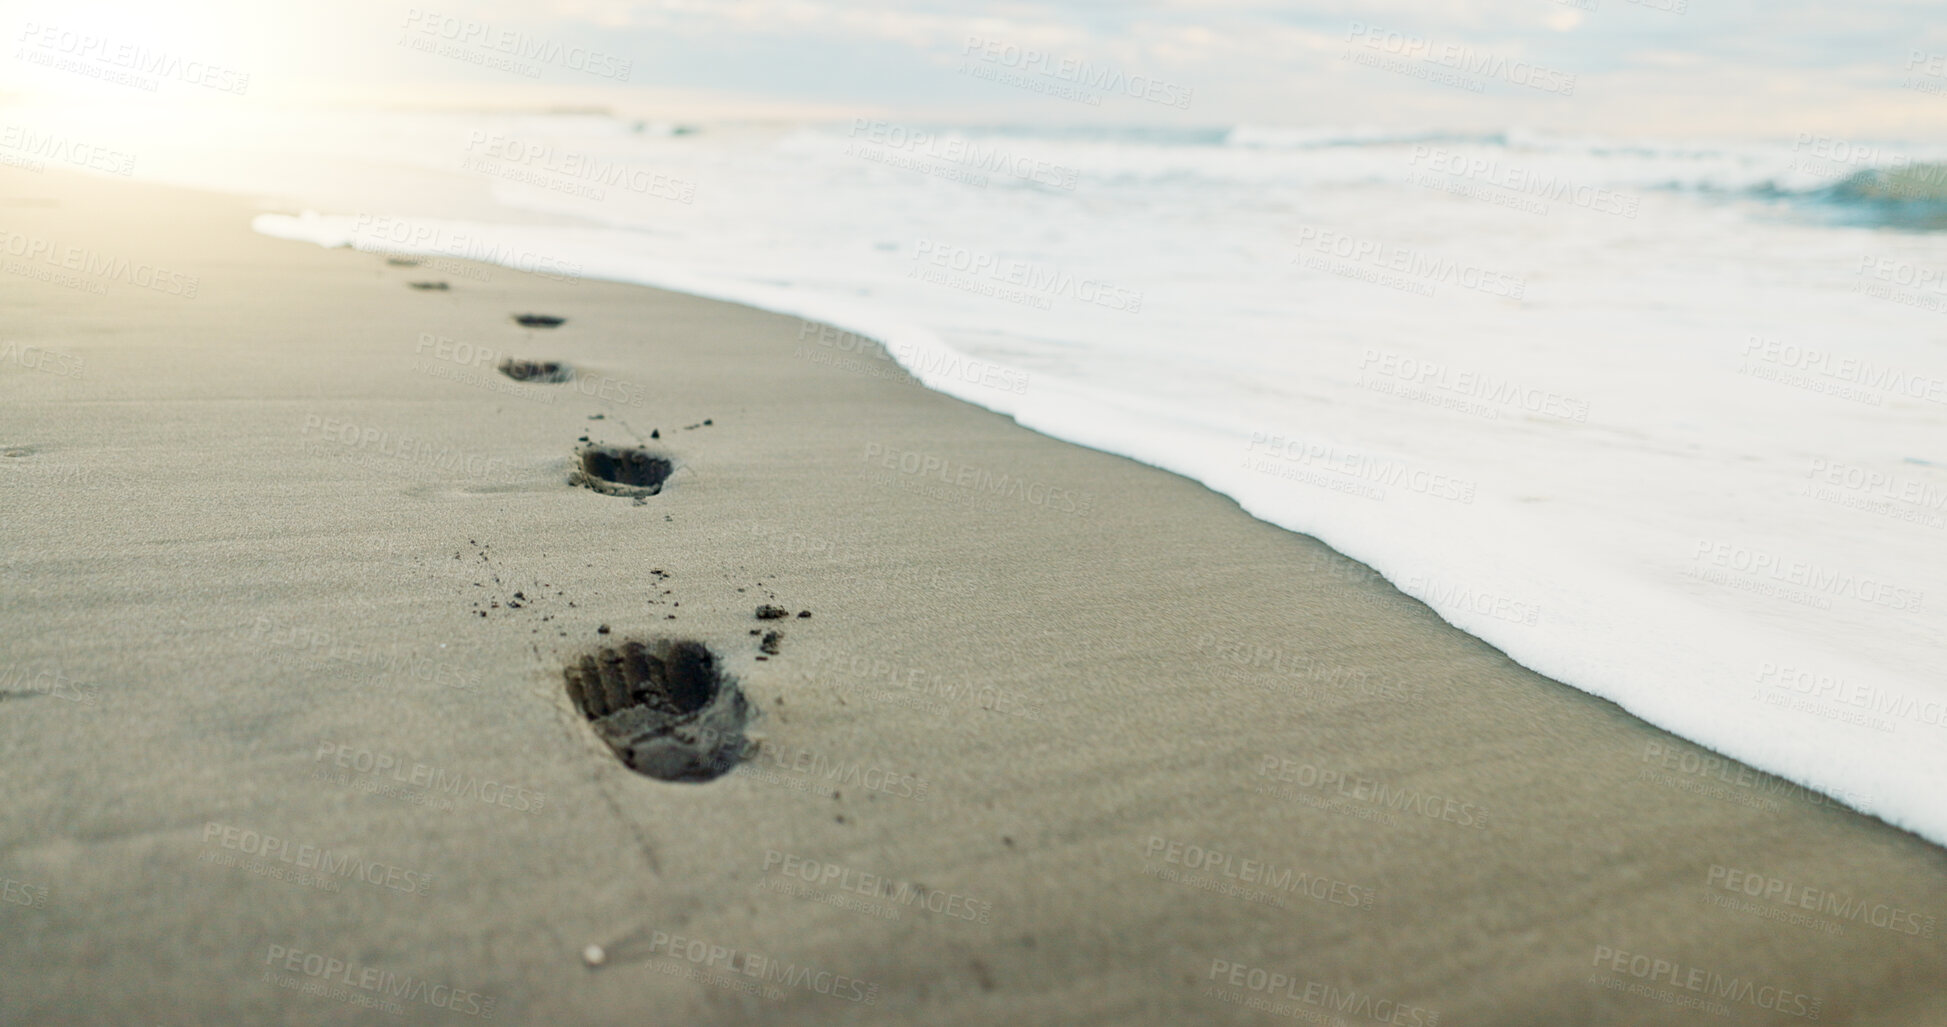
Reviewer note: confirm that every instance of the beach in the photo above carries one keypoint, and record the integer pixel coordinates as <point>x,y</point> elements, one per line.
<point>293,573</point>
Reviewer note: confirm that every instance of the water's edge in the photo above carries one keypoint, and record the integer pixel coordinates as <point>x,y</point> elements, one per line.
<point>1860,784</point>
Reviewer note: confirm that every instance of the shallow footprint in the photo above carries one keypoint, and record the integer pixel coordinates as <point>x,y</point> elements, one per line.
<point>621,470</point>
<point>549,371</point>
<point>430,286</point>
<point>665,708</point>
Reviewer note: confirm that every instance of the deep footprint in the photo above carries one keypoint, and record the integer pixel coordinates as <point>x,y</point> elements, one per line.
<point>622,470</point>
<point>539,320</point>
<point>665,708</point>
<point>548,371</point>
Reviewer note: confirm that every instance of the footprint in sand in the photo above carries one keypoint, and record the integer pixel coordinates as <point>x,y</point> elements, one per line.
<point>621,470</point>
<point>430,286</point>
<point>539,320</point>
<point>546,371</point>
<point>665,708</point>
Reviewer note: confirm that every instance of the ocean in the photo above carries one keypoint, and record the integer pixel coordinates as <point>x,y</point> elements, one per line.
<point>1665,420</point>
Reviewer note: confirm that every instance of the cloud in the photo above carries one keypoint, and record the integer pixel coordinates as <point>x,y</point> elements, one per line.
<point>1637,65</point>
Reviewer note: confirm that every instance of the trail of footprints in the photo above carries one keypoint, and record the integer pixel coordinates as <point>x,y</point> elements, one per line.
<point>664,706</point>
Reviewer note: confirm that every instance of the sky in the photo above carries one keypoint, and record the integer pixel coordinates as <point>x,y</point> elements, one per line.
<point>1871,69</point>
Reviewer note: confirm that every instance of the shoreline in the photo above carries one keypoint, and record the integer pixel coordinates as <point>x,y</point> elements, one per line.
<point>1290,480</point>
<point>1107,633</point>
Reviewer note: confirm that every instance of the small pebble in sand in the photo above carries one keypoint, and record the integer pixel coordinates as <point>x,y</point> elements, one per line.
<point>593,955</point>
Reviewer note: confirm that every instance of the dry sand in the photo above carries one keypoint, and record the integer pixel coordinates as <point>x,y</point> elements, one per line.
<point>250,536</point>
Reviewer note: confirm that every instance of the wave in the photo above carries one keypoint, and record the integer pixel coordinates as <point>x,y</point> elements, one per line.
<point>1910,183</point>
<point>1910,197</point>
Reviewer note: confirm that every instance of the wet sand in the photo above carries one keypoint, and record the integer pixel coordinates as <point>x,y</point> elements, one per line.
<point>292,573</point>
